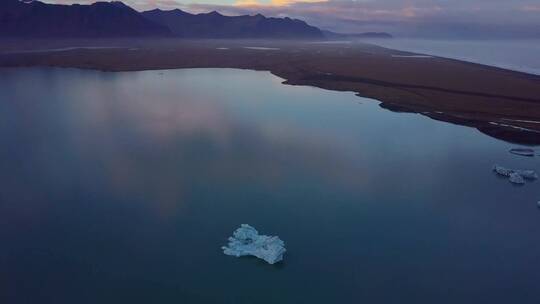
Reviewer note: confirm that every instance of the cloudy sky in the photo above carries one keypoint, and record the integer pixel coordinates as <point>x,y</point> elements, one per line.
<point>422,18</point>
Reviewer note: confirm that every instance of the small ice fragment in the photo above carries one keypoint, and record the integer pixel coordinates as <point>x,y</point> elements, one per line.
<point>502,170</point>
<point>247,241</point>
<point>522,152</point>
<point>515,178</point>
<point>527,174</point>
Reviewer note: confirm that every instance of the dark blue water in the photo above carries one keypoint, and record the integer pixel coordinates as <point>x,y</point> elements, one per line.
<point>122,187</point>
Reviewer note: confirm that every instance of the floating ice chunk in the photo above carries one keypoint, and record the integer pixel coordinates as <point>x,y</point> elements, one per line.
<point>515,178</point>
<point>523,152</point>
<point>247,241</point>
<point>502,170</point>
<point>527,174</point>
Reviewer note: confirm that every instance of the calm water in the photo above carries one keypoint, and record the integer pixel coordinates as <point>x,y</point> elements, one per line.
<point>518,55</point>
<point>122,187</point>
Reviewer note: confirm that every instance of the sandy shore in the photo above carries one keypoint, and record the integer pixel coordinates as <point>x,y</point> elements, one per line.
<point>500,103</point>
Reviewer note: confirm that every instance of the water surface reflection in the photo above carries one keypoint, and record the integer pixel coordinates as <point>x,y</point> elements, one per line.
<point>121,187</point>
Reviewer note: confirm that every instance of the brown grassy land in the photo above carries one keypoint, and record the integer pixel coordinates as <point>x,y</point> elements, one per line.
<point>498,102</point>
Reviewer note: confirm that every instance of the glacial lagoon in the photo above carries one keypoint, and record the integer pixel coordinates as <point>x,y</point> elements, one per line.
<point>123,187</point>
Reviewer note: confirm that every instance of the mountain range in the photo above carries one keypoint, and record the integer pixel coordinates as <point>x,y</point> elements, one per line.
<point>101,19</point>
<point>35,19</point>
<point>215,25</point>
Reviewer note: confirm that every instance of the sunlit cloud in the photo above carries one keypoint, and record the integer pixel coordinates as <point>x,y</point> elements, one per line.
<point>262,3</point>
<point>247,3</point>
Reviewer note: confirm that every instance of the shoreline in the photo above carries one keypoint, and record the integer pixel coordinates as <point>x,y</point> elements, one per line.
<point>438,48</point>
<point>501,103</point>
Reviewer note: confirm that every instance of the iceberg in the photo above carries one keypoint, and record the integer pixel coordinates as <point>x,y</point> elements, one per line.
<point>527,174</point>
<point>515,176</point>
<point>246,240</point>
<point>502,170</point>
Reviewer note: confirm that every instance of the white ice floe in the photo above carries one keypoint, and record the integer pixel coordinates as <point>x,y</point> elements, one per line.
<point>527,174</point>
<point>522,151</point>
<point>260,48</point>
<point>515,176</point>
<point>247,241</point>
<point>502,170</point>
